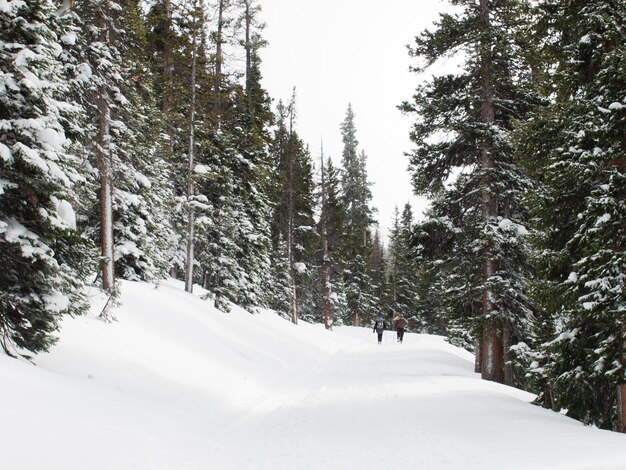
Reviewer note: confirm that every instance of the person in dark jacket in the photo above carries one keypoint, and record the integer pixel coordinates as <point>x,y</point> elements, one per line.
<point>399,324</point>
<point>379,327</point>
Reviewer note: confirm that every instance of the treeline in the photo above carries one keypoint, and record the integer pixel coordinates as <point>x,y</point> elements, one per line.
<point>137,142</point>
<point>522,151</point>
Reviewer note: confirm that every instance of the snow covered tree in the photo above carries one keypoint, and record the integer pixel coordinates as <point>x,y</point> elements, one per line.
<point>294,202</point>
<point>325,265</point>
<point>44,257</point>
<point>356,238</point>
<point>122,137</point>
<point>474,110</point>
<point>402,267</point>
<point>251,167</point>
<point>575,147</point>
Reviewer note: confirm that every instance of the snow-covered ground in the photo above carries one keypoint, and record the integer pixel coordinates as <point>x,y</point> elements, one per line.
<point>175,384</point>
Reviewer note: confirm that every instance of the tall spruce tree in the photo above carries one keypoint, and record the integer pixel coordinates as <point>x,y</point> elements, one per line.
<point>361,301</point>
<point>575,147</point>
<point>474,109</point>
<point>251,166</point>
<point>44,257</point>
<point>294,204</point>
<point>402,267</point>
<point>121,138</point>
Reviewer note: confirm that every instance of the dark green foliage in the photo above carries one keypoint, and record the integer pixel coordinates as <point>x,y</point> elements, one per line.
<point>44,258</point>
<point>574,145</point>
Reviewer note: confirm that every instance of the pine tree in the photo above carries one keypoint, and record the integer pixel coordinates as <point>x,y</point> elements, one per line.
<point>356,240</point>
<point>251,167</point>
<point>577,153</point>
<point>403,270</point>
<point>293,193</point>
<point>476,108</point>
<point>44,257</point>
<point>134,188</point>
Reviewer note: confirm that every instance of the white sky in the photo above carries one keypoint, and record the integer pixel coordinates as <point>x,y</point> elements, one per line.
<point>337,52</point>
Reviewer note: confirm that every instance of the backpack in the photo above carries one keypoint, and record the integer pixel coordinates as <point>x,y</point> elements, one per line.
<point>380,325</point>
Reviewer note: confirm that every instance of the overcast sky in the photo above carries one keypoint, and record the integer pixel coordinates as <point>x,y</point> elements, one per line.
<point>337,52</point>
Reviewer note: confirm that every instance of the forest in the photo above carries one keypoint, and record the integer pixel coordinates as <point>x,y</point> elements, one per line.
<point>137,142</point>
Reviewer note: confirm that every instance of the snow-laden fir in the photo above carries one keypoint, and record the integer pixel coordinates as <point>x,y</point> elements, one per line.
<point>173,383</point>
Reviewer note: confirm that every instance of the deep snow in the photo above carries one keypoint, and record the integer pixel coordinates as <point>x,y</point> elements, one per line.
<point>176,384</point>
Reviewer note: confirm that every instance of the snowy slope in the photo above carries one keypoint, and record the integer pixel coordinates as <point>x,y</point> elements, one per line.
<point>175,384</point>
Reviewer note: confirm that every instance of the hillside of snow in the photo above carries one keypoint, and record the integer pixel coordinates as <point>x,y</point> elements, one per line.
<point>176,384</point>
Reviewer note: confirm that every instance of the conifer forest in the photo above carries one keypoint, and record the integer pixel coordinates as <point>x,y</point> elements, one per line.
<point>138,143</point>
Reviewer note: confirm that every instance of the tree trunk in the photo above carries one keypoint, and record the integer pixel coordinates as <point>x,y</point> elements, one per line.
<point>190,187</point>
<point>168,79</point>
<point>106,195</point>
<point>219,59</point>
<point>492,353</point>
<point>621,390</point>
<point>167,105</point>
<point>492,357</point>
<point>248,45</point>
<point>478,363</point>
<point>105,162</point>
<point>326,290</point>
<point>621,408</point>
<point>291,217</point>
<point>507,338</point>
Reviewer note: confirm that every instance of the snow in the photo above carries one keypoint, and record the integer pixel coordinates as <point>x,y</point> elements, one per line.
<point>69,38</point>
<point>616,106</point>
<point>52,139</point>
<point>509,225</point>
<point>10,7</point>
<point>56,302</point>
<point>67,215</point>
<point>6,184</point>
<point>5,153</point>
<point>300,268</point>
<point>603,219</point>
<point>175,384</point>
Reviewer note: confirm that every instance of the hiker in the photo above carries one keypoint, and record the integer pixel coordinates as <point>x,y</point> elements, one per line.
<point>399,323</point>
<point>379,327</point>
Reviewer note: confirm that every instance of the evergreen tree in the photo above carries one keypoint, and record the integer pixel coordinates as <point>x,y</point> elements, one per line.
<point>356,240</point>
<point>251,168</point>
<point>294,206</point>
<point>122,141</point>
<point>575,146</point>
<point>475,109</point>
<point>403,270</point>
<point>44,257</point>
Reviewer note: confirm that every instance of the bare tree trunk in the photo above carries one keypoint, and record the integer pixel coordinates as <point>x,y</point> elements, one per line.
<point>105,162</point>
<point>507,339</point>
<point>167,105</point>
<point>492,352</point>
<point>291,216</point>
<point>478,363</point>
<point>326,290</point>
<point>168,78</point>
<point>219,59</point>
<point>621,390</point>
<point>356,319</point>
<point>106,195</point>
<point>190,187</point>
<point>248,44</point>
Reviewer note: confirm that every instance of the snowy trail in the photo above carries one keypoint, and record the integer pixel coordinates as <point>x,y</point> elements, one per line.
<point>410,406</point>
<point>175,385</point>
